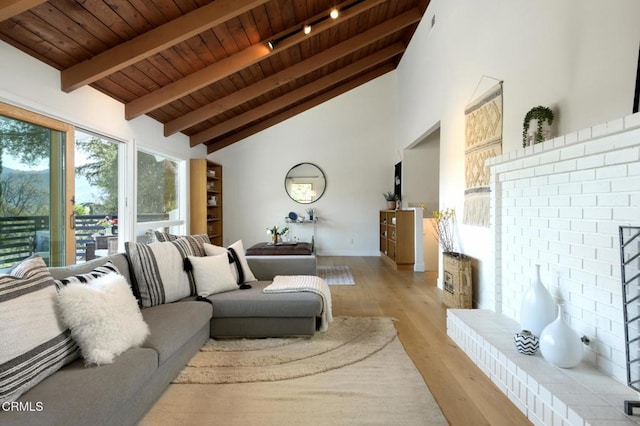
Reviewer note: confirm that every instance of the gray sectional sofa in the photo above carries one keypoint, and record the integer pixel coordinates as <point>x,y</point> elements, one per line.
<point>122,392</point>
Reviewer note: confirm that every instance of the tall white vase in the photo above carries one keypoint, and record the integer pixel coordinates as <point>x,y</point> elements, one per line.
<point>560,344</point>
<point>538,309</point>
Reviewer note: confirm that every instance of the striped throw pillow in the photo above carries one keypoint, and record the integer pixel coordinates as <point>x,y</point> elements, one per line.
<point>33,343</point>
<point>196,241</point>
<point>99,271</point>
<point>159,270</point>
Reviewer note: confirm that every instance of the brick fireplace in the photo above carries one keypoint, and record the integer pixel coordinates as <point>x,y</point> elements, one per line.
<point>559,204</point>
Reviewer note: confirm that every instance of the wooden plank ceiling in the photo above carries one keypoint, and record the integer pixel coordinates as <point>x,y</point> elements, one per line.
<point>204,67</point>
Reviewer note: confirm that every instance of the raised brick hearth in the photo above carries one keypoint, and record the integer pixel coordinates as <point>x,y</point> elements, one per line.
<point>547,395</point>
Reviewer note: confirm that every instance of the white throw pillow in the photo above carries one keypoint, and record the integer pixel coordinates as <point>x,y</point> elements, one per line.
<point>103,317</point>
<point>239,248</point>
<point>212,274</point>
<point>211,250</point>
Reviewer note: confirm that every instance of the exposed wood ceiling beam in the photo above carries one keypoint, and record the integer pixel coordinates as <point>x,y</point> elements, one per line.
<point>297,95</point>
<point>11,8</point>
<point>154,41</point>
<point>272,121</point>
<point>224,68</point>
<point>293,72</point>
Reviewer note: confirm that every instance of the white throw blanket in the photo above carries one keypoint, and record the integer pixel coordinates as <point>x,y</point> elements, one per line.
<point>310,283</point>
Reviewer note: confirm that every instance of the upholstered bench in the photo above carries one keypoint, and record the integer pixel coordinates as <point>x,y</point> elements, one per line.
<point>267,261</point>
<point>284,249</point>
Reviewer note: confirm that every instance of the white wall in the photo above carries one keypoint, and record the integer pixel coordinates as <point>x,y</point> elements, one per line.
<point>421,184</point>
<point>579,57</point>
<point>350,138</point>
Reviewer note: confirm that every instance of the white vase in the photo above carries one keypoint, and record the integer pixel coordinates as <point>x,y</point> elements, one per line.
<point>538,309</point>
<point>107,231</point>
<point>560,344</point>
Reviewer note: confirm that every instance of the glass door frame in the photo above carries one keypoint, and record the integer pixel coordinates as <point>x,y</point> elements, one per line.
<point>61,204</point>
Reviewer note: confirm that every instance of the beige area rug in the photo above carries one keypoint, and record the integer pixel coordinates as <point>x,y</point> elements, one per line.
<point>384,388</point>
<point>348,340</point>
<point>335,274</point>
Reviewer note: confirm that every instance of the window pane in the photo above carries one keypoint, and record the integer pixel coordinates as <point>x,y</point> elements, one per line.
<point>157,188</point>
<point>32,192</point>
<point>96,198</point>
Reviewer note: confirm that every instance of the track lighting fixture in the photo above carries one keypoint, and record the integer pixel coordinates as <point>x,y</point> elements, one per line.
<point>306,29</point>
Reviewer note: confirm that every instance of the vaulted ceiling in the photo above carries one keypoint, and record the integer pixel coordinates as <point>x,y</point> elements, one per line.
<point>205,68</point>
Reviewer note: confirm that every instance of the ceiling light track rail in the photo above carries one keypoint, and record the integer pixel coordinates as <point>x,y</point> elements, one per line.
<point>334,13</point>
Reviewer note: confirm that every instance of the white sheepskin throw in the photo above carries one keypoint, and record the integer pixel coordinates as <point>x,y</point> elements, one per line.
<point>103,317</point>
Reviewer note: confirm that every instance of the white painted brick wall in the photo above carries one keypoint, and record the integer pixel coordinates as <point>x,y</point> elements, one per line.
<point>560,205</point>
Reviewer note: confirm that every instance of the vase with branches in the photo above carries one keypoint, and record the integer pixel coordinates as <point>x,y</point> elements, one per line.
<point>443,227</point>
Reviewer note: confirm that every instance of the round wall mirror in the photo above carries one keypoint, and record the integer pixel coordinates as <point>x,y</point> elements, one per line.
<point>305,183</point>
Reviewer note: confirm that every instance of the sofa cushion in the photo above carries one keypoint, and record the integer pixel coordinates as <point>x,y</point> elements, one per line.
<point>173,324</point>
<point>159,270</point>
<point>254,303</point>
<point>266,268</point>
<point>33,342</point>
<point>79,395</point>
<point>103,317</point>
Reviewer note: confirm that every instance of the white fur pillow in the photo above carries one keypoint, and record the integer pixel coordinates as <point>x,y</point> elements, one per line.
<point>212,274</point>
<point>103,317</point>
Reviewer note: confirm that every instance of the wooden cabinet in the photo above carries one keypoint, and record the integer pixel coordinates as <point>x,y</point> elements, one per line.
<point>206,200</point>
<point>397,238</point>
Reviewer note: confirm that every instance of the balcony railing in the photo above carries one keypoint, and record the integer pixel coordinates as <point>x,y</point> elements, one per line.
<point>20,237</point>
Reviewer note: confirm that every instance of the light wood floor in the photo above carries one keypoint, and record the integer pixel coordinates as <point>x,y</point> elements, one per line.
<point>465,395</point>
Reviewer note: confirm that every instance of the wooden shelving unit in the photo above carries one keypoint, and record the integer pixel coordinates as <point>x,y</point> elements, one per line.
<point>206,199</point>
<point>397,238</point>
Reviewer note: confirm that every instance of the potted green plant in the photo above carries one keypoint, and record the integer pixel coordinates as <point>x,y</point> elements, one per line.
<point>391,200</point>
<point>542,115</point>
<point>311,212</point>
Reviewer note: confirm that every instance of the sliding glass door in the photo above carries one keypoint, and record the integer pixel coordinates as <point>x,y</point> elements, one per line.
<point>98,163</point>
<point>36,188</point>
